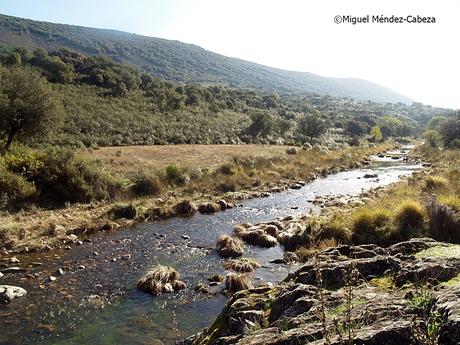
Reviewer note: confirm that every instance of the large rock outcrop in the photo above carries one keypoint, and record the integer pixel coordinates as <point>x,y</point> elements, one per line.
<point>364,295</point>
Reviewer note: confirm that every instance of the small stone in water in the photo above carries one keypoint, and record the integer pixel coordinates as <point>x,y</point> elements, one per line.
<point>114,260</point>
<point>81,267</point>
<point>36,264</point>
<point>52,278</point>
<point>185,237</point>
<point>126,256</point>
<point>80,243</point>
<point>59,272</point>
<point>98,286</point>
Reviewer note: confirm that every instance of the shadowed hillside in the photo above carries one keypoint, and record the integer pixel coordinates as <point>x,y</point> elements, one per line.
<point>173,60</point>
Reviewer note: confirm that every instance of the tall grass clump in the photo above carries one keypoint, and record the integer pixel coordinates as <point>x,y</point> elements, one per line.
<point>14,189</point>
<point>409,219</point>
<point>372,225</point>
<point>435,183</point>
<point>177,175</point>
<point>235,282</point>
<point>335,228</point>
<point>161,279</point>
<point>451,201</point>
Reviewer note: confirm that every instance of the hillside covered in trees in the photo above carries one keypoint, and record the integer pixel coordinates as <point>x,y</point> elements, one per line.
<point>176,61</point>
<point>108,103</point>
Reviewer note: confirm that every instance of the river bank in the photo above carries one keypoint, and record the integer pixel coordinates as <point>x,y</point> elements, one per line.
<point>44,230</point>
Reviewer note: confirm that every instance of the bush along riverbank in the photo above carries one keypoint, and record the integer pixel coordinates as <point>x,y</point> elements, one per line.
<point>370,274</point>
<point>90,198</point>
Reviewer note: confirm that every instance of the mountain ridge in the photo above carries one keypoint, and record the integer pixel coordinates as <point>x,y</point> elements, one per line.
<point>183,62</point>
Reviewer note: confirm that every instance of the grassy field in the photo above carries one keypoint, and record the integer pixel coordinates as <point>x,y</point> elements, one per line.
<point>128,158</point>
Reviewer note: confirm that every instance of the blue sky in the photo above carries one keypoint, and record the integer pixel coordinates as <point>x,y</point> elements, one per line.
<point>132,16</point>
<point>417,60</point>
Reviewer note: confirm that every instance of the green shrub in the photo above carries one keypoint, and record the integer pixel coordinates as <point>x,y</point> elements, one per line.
<point>177,175</point>
<point>65,178</point>
<point>409,219</point>
<point>146,184</point>
<point>372,226</point>
<point>14,189</point>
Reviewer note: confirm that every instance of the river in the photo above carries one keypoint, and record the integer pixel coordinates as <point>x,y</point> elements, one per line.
<point>66,311</point>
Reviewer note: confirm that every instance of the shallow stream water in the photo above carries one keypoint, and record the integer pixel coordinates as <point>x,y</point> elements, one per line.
<point>65,311</point>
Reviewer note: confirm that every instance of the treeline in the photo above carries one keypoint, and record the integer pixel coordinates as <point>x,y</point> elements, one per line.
<point>444,131</point>
<point>108,103</point>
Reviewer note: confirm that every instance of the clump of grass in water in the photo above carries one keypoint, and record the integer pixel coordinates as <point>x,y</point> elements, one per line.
<point>243,265</point>
<point>228,246</point>
<point>235,282</point>
<point>161,279</point>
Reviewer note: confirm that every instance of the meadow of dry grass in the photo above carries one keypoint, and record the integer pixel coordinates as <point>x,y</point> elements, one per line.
<point>127,158</point>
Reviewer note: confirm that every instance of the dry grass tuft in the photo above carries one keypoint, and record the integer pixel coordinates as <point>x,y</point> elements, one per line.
<point>161,279</point>
<point>305,253</point>
<point>235,282</point>
<point>410,218</point>
<point>436,183</point>
<point>243,265</point>
<point>229,247</point>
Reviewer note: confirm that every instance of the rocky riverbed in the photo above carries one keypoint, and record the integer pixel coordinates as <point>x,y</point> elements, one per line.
<point>352,295</point>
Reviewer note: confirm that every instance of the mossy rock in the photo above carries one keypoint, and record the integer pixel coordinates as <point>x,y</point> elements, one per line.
<point>441,251</point>
<point>455,281</point>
